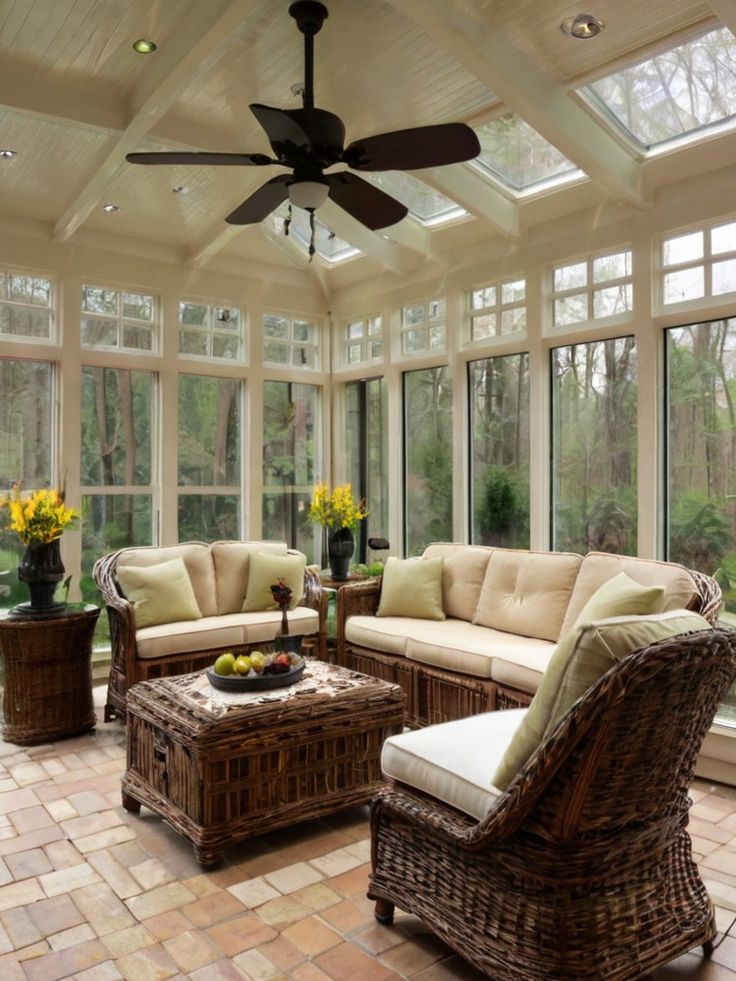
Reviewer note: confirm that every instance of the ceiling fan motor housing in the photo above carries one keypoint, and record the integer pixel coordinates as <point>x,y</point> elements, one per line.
<point>309,15</point>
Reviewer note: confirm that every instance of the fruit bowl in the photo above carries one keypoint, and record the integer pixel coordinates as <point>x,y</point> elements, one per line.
<point>256,682</point>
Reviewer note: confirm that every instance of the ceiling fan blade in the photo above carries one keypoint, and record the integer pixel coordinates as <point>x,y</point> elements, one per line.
<point>319,134</point>
<point>412,149</point>
<point>261,203</point>
<point>210,159</point>
<point>364,201</point>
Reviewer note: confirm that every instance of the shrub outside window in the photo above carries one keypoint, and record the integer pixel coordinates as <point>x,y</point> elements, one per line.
<point>120,319</point>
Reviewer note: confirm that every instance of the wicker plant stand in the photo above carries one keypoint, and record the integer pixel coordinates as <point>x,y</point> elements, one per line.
<point>220,768</point>
<point>48,675</point>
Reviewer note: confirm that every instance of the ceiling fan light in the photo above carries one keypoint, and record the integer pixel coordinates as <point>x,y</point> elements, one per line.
<point>308,194</point>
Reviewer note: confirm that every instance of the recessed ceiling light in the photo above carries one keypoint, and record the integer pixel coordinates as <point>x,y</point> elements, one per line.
<point>582,26</point>
<point>180,189</point>
<point>143,46</point>
<point>7,154</point>
<point>111,208</point>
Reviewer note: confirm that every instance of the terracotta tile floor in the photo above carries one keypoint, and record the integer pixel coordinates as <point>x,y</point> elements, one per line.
<point>89,891</point>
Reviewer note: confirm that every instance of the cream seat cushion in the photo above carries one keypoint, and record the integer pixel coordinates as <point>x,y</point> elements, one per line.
<point>228,630</point>
<point>584,655</point>
<point>527,593</point>
<point>412,588</point>
<point>159,593</point>
<point>386,634</point>
<point>454,761</point>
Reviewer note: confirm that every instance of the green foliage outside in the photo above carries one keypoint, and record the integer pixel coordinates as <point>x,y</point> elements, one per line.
<point>502,508</point>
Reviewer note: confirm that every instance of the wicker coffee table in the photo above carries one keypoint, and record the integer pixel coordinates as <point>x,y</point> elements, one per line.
<point>220,767</point>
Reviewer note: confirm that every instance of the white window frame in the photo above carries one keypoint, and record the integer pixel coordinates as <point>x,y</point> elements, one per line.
<point>120,321</point>
<point>589,290</point>
<point>291,343</point>
<point>706,261</point>
<point>370,334</point>
<point>495,309</point>
<point>19,305</point>
<point>428,323</point>
<point>209,330</point>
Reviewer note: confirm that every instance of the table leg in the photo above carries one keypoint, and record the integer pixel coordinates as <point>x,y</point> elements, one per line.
<point>208,858</point>
<point>131,804</point>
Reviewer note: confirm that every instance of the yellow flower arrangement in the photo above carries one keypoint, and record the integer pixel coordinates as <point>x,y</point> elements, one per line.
<point>336,508</point>
<point>40,518</point>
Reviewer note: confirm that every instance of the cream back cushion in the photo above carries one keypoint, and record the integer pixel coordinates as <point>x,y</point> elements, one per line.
<point>463,570</point>
<point>265,571</point>
<point>412,588</point>
<point>159,593</point>
<point>597,567</point>
<point>197,558</point>
<point>232,564</point>
<point>583,656</point>
<point>527,592</point>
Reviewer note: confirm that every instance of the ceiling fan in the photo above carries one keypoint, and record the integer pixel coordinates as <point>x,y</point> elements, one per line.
<point>309,141</point>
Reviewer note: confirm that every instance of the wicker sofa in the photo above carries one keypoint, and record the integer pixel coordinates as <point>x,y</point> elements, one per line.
<point>219,575</point>
<point>505,610</point>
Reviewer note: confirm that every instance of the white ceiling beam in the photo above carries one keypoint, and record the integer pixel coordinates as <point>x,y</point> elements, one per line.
<point>479,40</point>
<point>725,11</point>
<point>394,257</point>
<point>205,29</point>
<point>214,242</point>
<point>297,256</point>
<point>414,236</point>
<point>56,102</point>
<point>477,195</point>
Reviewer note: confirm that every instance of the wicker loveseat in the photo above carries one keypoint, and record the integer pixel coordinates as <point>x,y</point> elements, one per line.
<point>219,577</point>
<point>505,610</point>
<point>583,867</point>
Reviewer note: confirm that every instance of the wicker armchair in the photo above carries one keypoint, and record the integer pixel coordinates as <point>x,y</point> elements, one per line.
<point>583,869</point>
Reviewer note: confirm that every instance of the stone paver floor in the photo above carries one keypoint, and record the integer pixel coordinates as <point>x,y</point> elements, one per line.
<point>89,891</point>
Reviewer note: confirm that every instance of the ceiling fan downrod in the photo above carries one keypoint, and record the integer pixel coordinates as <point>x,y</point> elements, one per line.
<point>309,15</point>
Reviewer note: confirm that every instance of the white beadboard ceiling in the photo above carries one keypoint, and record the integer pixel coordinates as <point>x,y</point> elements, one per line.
<point>75,97</point>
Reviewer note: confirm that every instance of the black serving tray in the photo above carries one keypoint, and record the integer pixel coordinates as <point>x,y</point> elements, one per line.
<point>260,682</point>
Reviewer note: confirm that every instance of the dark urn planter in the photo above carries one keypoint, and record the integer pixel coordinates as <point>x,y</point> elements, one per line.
<point>42,569</point>
<point>340,548</point>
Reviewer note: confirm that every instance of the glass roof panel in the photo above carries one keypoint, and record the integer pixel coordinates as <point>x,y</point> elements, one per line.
<point>677,92</point>
<point>518,156</point>
<point>327,245</point>
<point>423,202</point>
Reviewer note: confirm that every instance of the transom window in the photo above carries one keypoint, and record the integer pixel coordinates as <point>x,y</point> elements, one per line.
<point>362,340</point>
<point>122,319</point>
<point>496,309</point>
<point>26,306</point>
<point>423,327</point>
<point>699,263</point>
<point>210,331</point>
<point>595,288</point>
<point>290,341</point>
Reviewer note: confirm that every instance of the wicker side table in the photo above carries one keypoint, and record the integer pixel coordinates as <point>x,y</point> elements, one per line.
<point>48,675</point>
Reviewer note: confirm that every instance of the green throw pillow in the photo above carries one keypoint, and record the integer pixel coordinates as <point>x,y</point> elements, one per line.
<point>412,588</point>
<point>621,595</point>
<point>265,571</point>
<point>583,656</point>
<point>160,593</point>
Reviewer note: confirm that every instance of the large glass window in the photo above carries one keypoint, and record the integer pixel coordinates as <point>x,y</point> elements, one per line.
<point>26,306</point>
<point>26,451</point>
<point>428,458</point>
<point>518,156</point>
<point>367,459</point>
<point>116,467</point>
<point>209,458</point>
<point>498,389</point>
<point>119,319</point>
<point>290,449</point>
<point>594,394</point>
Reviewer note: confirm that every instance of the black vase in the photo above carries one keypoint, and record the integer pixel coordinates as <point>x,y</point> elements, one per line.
<point>41,567</point>
<point>340,548</point>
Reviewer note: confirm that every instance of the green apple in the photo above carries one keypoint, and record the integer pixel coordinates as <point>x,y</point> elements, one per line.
<point>242,664</point>
<point>225,663</point>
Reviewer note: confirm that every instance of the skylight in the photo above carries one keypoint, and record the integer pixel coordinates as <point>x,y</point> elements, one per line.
<point>516,154</point>
<point>327,245</point>
<point>675,93</point>
<point>424,203</point>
